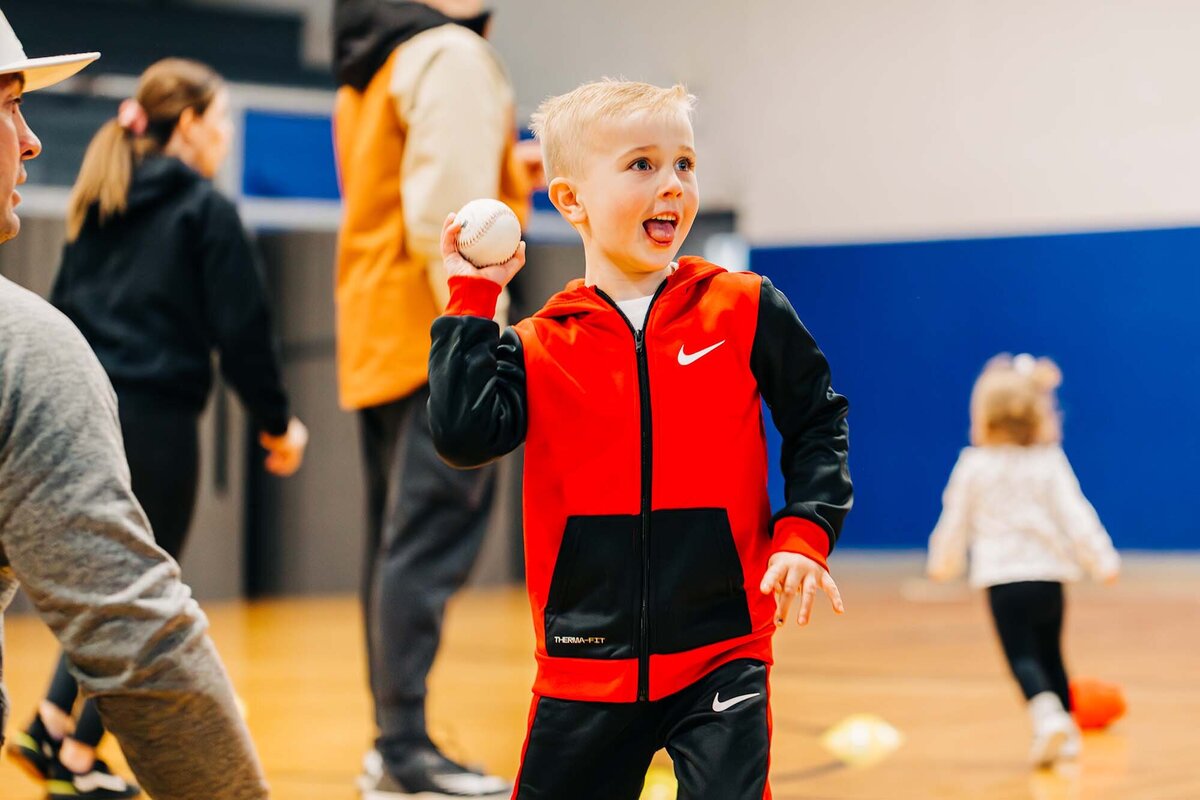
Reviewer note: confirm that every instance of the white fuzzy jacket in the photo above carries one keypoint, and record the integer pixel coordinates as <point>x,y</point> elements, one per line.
<point>1022,515</point>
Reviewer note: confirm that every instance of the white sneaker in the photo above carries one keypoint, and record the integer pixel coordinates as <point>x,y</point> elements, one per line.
<point>1073,746</point>
<point>1052,727</point>
<point>372,771</point>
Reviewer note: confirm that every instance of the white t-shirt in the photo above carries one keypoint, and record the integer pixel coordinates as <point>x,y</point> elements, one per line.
<point>635,310</point>
<point>1020,513</point>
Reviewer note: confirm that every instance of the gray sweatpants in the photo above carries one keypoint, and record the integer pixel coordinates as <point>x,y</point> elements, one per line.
<point>74,536</point>
<point>425,526</point>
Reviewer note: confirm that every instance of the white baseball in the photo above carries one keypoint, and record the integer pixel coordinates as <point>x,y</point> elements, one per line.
<point>490,232</point>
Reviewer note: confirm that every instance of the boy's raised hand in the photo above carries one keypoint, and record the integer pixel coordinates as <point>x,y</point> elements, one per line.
<point>456,265</point>
<point>791,573</point>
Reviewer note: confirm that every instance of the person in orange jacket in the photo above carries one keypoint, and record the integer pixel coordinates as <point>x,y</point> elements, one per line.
<point>656,572</point>
<point>424,123</point>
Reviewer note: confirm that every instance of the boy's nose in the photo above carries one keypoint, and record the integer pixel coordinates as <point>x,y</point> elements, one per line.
<point>671,187</point>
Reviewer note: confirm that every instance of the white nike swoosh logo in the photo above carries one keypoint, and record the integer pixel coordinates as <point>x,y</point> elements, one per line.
<point>720,705</point>
<point>688,358</point>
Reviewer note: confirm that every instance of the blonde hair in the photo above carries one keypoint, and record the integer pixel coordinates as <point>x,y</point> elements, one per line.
<point>166,89</point>
<point>1014,402</point>
<point>561,123</point>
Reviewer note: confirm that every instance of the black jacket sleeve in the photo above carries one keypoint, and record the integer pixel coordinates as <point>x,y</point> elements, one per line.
<point>793,378</point>
<point>239,319</point>
<point>60,292</point>
<point>477,402</point>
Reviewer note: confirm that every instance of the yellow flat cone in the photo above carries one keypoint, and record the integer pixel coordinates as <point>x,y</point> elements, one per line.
<point>862,740</point>
<point>660,784</point>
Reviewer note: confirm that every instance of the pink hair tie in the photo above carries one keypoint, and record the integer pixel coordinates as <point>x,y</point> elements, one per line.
<point>132,117</point>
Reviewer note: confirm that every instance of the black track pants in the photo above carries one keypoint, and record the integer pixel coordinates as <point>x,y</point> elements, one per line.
<point>717,732</point>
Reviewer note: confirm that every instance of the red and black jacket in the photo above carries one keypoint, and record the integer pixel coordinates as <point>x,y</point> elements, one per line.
<point>647,522</point>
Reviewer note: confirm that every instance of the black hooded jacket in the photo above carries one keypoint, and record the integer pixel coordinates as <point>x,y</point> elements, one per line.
<point>158,288</point>
<point>367,31</point>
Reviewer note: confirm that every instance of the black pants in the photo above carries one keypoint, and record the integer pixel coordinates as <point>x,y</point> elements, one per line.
<point>162,447</point>
<point>426,522</point>
<point>717,732</point>
<point>1029,619</point>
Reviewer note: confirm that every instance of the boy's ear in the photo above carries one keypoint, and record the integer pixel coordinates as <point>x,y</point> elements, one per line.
<point>563,196</point>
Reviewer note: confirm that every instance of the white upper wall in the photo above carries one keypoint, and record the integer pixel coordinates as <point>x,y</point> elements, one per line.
<point>867,120</point>
<point>929,118</point>
<point>861,120</point>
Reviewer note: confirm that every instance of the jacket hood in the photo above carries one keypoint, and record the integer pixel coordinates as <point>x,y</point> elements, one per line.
<point>365,32</point>
<point>578,298</point>
<point>158,178</point>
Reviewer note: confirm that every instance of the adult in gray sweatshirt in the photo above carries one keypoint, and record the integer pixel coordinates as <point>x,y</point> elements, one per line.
<point>74,536</point>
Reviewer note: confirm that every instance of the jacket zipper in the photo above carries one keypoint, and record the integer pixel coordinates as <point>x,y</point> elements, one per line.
<point>647,431</point>
<point>647,474</point>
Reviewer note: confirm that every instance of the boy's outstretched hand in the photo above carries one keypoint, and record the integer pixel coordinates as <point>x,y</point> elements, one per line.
<point>791,573</point>
<point>456,265</point>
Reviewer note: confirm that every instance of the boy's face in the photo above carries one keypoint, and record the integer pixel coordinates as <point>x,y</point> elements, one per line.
<point>637,194</point>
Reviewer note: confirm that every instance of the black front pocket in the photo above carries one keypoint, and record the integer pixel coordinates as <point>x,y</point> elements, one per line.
<point>697,592</point>
<point>592,608</point>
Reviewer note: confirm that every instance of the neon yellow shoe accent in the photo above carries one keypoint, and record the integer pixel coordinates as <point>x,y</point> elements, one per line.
<point>26,753</point>
<point>61,787</point>
<point>25,740</point>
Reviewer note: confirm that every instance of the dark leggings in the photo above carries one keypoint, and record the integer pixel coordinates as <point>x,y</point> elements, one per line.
<point>1029,619</point>
<point>161,444</point>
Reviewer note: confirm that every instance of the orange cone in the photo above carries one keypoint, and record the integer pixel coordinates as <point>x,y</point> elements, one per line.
<point>1095,703</point>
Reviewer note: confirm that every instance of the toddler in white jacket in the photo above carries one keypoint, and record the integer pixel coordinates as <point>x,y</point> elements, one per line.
<point>1014,504</point>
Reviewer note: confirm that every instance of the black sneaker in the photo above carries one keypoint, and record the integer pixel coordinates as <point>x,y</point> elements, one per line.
<point>98,784</point>
<point>33,754</point>
<point>426,774</point>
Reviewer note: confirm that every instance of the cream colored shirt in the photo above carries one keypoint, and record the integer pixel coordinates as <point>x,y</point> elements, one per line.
<point>1021,515</point>
<point>455,104</point>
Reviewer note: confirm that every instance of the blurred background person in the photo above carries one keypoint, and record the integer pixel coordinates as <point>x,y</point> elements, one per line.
<point>424,122</point>
<point>158,274</point>
<point>1014,504</point>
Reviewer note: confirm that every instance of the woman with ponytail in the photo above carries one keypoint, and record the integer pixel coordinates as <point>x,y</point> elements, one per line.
<point>158,274</point>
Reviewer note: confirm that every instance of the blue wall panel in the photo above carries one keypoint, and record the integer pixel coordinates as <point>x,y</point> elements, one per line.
<point>908,326</point>
<point>288,156</point>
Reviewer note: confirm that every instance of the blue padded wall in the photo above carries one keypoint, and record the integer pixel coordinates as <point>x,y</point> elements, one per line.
<point>908,326</point>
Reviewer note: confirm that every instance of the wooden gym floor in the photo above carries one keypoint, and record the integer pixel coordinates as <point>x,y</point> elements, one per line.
<point>922,657</point>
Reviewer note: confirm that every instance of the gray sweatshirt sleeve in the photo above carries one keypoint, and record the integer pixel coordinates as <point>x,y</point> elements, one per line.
<point>74,536</point>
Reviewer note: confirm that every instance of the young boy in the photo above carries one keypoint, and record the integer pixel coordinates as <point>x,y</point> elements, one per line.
<point>647,523</point>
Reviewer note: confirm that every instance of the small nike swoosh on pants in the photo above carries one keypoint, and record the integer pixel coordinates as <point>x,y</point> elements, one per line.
<point>720,705</point>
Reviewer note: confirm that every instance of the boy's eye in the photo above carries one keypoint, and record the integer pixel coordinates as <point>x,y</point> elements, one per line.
<point>685,164</point>
<point>641,165</point>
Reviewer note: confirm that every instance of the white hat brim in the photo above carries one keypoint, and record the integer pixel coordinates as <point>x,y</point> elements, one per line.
<point>42,72</point>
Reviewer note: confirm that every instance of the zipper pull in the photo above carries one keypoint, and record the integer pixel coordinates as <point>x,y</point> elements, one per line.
<point>639,341</point>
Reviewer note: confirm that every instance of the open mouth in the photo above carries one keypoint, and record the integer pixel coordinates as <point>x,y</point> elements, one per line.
<point>661,227</point>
